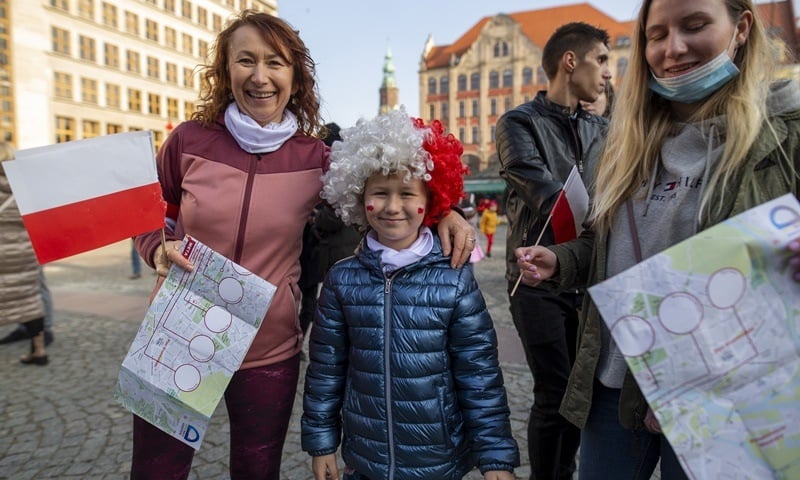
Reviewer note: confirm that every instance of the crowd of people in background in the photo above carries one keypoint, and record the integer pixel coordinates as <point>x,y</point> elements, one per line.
<point>370,239</point>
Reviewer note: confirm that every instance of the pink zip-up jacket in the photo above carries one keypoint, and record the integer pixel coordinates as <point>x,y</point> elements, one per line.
<point>250,208</point>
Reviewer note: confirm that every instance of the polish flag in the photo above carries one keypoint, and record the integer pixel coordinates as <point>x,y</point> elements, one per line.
<point>570,209</point>
<point>81,195</point>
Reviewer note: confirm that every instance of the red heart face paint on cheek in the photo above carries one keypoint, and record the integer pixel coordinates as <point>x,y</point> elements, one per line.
<point>370,208</point>
<point>420,210</point>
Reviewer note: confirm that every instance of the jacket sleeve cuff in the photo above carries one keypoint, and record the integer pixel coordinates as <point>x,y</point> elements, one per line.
<point>324,451</point>
<point>496,466</point>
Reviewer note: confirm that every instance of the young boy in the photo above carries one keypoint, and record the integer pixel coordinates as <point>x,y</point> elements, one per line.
<point>403,358</point>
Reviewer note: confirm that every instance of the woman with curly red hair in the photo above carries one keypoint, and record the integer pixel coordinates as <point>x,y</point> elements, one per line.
<point>403,353</point>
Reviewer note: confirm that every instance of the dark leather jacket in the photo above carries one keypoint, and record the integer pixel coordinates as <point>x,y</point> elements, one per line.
<point>538,143</point>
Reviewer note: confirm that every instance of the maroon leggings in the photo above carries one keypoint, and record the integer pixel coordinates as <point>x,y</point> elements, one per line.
<point>259,402</point>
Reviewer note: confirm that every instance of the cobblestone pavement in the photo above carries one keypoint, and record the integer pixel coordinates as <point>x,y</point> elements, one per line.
<point>60,421</point>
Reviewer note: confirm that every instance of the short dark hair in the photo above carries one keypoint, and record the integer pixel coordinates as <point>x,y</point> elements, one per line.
<point>579,37</point>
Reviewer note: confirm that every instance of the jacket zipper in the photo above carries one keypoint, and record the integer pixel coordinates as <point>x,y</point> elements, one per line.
<point>248,193</point>
<point>578,153</point>
<point>387,330</point>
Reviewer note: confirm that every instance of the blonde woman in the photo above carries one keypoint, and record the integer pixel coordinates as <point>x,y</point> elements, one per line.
<point>698,105</point>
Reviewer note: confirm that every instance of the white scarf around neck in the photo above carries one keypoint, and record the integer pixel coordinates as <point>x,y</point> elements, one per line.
<point>393,259</point>
<point>252,137</point>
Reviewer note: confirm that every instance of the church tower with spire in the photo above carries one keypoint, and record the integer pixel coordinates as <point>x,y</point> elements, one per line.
<point>389,93</point>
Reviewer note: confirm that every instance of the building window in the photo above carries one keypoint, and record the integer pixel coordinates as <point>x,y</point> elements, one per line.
<point>493,107</point>
<point>475,82</point>
<point>216,22</point>
<point>112,128</point>
<point>154,104</point>
<point>188,109</point>
<point>462,135</point>
<point>151,30</point>
<point>622,67</point>
<point>188,77</point>
<point>431,86</point>
<point>60,4</point>
<point>132,23</point>
<point>508,78</point>
<point>111,55</point>
<point>170,37</point>
<point>112,96</point>
<point>202,48</point>
<point>169,5</point>
<point>172,73</point>
<point>172,108</point>
<point>62,85</point>
<point>491,134</point>
<point>507,104</point>
<point>461,109</point>
<point>110,15</point>
<point>186,9</point>
<point>527,76</point>
<point>134,100</point>
<point>89,90</point>
<point>444,85</point>
<point>87,48</point>
<point>153,70</point>
<point>474,108</point>
<point>475,136</point>
<point>501,49</point>
<point>431,112</point>
<point>494,79</point>
<point>133,63</point>
<point>445,111</point>
<point>91,129</point>
<point>60,38</point>
<point>541,77</point>
<point>86,8</point>
<point>65,129</point>
<point>202,17</point>
<point>187,44</point>
<point>462,83</point>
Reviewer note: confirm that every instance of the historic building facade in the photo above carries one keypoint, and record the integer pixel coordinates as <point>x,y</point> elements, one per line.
<point>496,65</point>
<point>72,69</point>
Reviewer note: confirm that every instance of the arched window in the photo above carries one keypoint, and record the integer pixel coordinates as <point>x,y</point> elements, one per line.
<point>475,81</point>
<point>493,107</point>
<point>462,83</point>
<point>527,76</point>
<point>501,49</point>
<point>431,112</point>
<point>431,86</point>
<point>474,108</point>
<point>541,77</point>
<point>508,78</point>
<point>497,49</point>
<point>475,136</point>
<point>507,104</point>
<point>494,79</point>
<point>505,49</point>
<point>622,67</point>
<point>461,109</point>
<point>445,111</point>
<point>444,85</point>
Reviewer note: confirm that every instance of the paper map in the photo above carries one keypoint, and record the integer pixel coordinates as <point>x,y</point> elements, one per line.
<point>710,328</point>
<point>193,339</point>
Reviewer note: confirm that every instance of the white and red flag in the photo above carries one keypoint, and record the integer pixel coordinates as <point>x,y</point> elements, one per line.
<point>570,209</point>
<point>81,195</point>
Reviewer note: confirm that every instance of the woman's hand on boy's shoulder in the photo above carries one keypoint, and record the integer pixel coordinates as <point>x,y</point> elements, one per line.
<point>498,475</point>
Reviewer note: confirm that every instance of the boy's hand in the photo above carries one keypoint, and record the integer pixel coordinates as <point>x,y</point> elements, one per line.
<point>324,467</point>
<point>498,475</point>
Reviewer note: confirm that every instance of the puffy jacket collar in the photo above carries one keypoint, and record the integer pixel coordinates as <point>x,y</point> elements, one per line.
<point>545,106</point>
<point>371,259</point>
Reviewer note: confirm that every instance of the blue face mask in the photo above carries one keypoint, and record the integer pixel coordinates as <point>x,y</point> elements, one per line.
<point>698,84</point>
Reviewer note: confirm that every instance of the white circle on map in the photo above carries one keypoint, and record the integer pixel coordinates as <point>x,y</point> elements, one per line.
<point>201,348</point>
<point>726,287</point>
<point>239,269</point>
<point>231,290</point>
<point>634,336</point>
<point>680,313</point>
<point>187,378</point>
<point>217,319</point>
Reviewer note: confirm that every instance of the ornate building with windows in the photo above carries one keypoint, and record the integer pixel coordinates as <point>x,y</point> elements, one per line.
<point>496,65</point>
<point>72,69</point>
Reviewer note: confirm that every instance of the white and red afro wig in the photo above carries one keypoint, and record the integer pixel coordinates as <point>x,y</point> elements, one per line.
<point>390,143</point>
